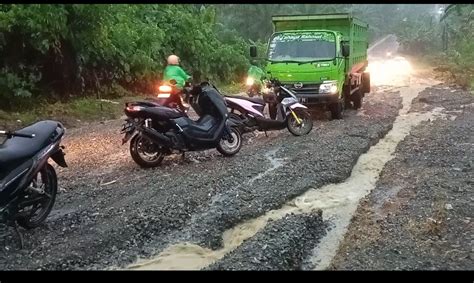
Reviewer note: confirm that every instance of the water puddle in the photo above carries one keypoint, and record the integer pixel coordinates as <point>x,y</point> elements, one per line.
<point>274,162</point>
<point>337,201</point>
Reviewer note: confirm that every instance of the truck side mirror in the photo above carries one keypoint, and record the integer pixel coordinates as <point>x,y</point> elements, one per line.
<point>253,51</point>
<point>346,50</point>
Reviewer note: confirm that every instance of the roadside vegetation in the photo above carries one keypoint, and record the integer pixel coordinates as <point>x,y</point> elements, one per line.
<point>61,60</point>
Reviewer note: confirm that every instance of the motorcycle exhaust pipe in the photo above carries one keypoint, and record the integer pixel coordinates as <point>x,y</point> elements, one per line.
<point>249,129</point>
<point>157,137</point>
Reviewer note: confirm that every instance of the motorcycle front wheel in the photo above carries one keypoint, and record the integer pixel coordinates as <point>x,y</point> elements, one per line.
<point>45,187</point>
<point>230,148</point>
<point>303,128</point>
<point>146,153</point>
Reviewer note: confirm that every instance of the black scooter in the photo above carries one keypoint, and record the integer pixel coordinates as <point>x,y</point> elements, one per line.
<point>28,183</point>
<point>156,131</point>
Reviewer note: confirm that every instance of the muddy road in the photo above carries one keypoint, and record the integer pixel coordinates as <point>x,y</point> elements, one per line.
<point>283,202</point>
<point>419,216</point>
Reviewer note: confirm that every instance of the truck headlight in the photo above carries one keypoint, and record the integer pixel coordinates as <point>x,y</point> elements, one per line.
<point>328,87</point>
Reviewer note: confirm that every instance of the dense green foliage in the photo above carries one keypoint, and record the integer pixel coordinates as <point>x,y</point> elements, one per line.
<point>458,47</point>
<point>62,50</point>
<point>67,50</point>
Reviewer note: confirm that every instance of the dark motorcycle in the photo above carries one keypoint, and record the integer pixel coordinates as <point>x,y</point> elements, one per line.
<point>156,131</point>
<point>285,111</point>
<point>28,183</point>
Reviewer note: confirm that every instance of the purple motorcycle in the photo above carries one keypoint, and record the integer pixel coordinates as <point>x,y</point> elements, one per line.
<point>284,108</point>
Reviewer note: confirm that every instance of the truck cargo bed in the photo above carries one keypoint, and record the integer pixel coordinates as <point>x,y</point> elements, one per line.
<point>354,30</point>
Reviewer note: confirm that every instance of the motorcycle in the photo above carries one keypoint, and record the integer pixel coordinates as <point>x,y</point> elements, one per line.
<point>285,111</point>
<point>155,131</point>
<point>28,183</point>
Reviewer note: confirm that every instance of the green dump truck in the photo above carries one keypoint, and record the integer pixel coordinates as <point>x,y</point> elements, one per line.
<point>322,58</point>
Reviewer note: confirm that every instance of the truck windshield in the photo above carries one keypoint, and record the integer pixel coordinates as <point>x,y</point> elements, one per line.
<point>302,46</point>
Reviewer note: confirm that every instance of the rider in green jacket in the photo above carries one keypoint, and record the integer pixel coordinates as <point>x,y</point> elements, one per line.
<point>256,74</point>
<point>174,72</point>
<point>254,80</point>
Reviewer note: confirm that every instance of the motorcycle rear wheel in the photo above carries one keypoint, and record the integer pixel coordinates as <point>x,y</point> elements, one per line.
<point>227,148</point>
<point>146,153</point>
<point>38,212</point>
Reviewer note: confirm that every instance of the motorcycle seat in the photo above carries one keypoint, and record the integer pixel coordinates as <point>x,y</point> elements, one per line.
<point>202,128</point>
<point>251,99</point>
<point>163,113</point>
<point>17,150</point>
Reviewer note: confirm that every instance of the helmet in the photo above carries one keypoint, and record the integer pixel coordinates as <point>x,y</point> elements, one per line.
<point>173,60</point>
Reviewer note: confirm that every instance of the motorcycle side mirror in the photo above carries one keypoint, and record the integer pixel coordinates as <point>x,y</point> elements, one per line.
<point>253,51</point>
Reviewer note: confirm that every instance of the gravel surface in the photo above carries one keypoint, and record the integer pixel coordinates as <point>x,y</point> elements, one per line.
<point>110,212</point>
<point>420,214</point>
<point>264,251</point>
<point>325,156</point>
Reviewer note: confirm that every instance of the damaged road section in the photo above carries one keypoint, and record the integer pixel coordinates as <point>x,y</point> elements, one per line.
<point>296,235</point>
<point>325,156</point>
<point>97,226</point>
<point>419,216</point>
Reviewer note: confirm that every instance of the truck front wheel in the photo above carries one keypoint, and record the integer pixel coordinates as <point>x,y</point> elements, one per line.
<point>336,110</point>
<point>347,100</point>
<point>356,98</point>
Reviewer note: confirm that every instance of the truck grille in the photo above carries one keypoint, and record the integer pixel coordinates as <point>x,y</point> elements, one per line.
<point>306,89</point>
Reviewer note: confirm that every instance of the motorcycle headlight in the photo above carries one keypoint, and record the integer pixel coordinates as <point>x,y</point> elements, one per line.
<point>250,81</point>
<point>266,90</point>
<point>328,87</point>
